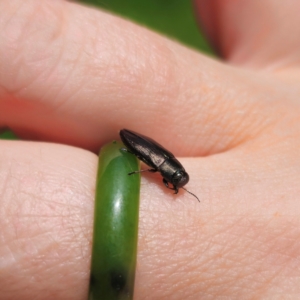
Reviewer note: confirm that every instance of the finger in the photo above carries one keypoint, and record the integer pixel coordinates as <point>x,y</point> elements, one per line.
<point>78,76</point>
<point>253,33</point>
<point>46,210</point>
<point>46,215</point>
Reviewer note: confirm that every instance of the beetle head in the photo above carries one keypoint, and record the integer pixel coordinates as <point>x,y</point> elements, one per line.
<point>180,178</point>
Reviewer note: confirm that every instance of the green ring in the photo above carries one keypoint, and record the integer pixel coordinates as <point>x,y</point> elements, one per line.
<point>115,237</point>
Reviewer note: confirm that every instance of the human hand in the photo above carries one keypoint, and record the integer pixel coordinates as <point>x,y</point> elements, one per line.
<point>75,75</point>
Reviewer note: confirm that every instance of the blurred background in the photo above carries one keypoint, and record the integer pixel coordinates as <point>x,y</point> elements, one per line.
<point>172,18</point>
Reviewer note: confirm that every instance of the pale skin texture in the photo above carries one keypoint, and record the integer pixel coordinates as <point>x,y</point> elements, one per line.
<point>75,76</point>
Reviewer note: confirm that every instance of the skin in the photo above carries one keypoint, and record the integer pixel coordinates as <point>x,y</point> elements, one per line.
<point>75,76</point>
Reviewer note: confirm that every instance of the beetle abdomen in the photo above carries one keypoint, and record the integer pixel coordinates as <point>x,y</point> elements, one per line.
<point>146,149</point>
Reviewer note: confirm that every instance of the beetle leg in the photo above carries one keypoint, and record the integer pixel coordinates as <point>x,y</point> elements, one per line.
<point>149,170</point>
<point>174,188</point>
<point>166,183</point>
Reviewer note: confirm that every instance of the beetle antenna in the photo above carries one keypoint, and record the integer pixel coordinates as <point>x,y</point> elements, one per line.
<point>191,194</point>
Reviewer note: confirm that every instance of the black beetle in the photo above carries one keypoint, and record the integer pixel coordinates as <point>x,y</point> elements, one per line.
<point>157,157</point>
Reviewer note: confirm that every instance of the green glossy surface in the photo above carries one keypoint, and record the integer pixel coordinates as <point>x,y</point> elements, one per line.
<point>115,225</point>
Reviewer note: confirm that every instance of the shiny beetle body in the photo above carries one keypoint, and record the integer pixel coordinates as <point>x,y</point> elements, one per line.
<point>157,157</point>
